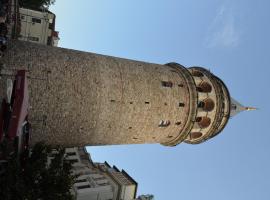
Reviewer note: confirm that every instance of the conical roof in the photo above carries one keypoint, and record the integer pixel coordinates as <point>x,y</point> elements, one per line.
<point>237,107</point>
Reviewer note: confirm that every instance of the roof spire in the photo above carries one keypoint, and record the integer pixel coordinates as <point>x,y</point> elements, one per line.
<point>236,107</point>
<point>251,108</point>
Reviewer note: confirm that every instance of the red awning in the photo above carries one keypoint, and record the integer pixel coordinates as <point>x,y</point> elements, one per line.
<point>20,105</point>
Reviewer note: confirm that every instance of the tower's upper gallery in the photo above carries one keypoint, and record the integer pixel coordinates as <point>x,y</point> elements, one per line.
<point>213,106</point>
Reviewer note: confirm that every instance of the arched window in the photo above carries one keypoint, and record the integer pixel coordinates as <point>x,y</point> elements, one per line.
<point>203,122</point>
<point>204,87</point>
<point>207,104</point>
<point>197,73</point>
<point>195,135</point>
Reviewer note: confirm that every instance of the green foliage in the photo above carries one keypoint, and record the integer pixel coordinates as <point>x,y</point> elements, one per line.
<point>38,180</point>
<point>36,4</point>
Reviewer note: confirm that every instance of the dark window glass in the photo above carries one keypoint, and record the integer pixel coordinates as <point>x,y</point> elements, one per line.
<point>166,83</point>
<point>72,161</point>
<point>36,39</point>
<point>181,105</point>
<point>49,40</point>
<point>51,26</point>
<point>80,181</point>
<point>201,104</point>
<point>35,20</point>
<point>83,187</point>
<point>71,153</point>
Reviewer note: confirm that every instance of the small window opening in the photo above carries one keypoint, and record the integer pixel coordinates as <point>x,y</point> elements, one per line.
<point>164,123</point>
<point>72,161</point>
<point>147,102</point>
<point>36,39</point>
<point>178,123</point>
<point>181,105</point>
<point>35,20</point>
<point>131,102</point>
<point>71,153</point>
<point>180,85</point>
<point>198,119</point>
<point>130,127</point>
<point>83,187</point>
<point>112,100</point>
<point>166,83</point>
<point>201,104</point>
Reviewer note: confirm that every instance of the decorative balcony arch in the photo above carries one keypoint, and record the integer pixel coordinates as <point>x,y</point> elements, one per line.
<point>207,104</point>
<point>204,87</point>
<point>195,135</point>
<point>203,122</point>
<point>197,73</point>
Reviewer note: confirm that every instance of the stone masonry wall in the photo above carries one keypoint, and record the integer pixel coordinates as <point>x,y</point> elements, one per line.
<point>80,98</point>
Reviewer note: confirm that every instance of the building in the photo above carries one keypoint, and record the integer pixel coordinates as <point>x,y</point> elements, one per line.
<point>38,26</point>
<point>146,197</point>
<point>99,181</point>
<point>107,100</point>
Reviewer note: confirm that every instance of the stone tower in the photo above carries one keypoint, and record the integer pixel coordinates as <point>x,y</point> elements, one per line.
<point>80,98</point>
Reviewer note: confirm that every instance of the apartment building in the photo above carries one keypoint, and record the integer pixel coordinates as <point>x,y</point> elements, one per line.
<point>99,181</point>
<point>38,26</point>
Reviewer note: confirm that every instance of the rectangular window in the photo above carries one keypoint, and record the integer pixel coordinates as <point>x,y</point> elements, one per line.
<point>72,161</point>
<point>181,104</point>
<point>51,26</point>
<point>36,39</point>
<point>71,153</point>
<point>83,187</point>
<point>80,181</point>
<point>166,83</point>
<point>49,40</point>
<point>22,16</point>
<point>36,20</point>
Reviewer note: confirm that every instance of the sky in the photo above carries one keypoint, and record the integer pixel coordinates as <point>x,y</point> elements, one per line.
<point>231,38</point>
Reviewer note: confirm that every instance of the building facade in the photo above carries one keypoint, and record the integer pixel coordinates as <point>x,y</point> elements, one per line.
<point>146,197</point>
<point>98,181</point>
<point>38,26</point>
<point>79,98</point>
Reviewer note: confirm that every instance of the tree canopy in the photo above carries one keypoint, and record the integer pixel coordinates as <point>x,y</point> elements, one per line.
<point>37,179</point>
<point>36,4</point>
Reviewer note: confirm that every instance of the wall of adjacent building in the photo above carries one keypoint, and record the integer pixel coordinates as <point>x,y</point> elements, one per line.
<point>37,26</point>
<point>98,181</point>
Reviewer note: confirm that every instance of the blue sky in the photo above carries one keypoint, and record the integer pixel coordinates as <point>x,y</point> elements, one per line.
<point>231,38</point>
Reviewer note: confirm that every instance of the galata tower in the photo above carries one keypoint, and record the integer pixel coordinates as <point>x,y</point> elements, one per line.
<point>80,98</point>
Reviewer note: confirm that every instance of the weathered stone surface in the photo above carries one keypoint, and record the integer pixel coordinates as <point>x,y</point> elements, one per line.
<point>80,98</point>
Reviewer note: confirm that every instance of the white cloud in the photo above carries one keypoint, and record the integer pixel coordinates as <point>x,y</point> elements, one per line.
<point>223,31</point>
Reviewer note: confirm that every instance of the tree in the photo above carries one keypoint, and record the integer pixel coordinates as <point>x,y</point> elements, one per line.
<point>36,4</point>
<point>36,179</point>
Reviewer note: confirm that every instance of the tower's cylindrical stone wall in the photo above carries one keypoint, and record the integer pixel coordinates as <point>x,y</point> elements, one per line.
<point>80,98</point>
